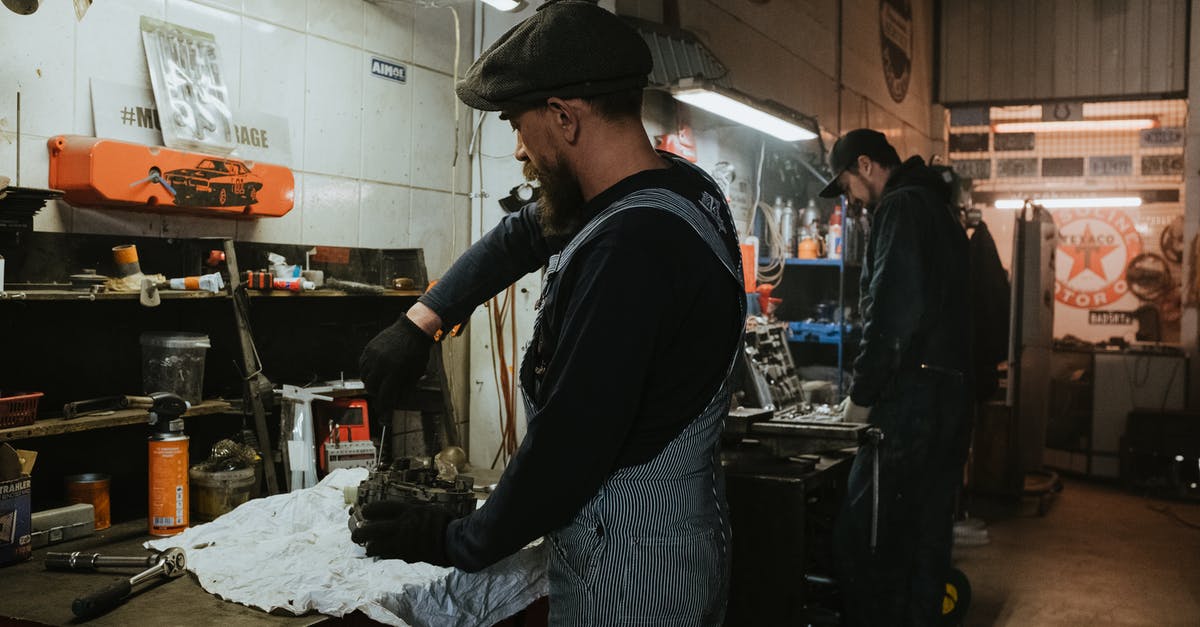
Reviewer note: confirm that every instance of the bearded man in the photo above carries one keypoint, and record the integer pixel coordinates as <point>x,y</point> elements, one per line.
<point>640,317</point>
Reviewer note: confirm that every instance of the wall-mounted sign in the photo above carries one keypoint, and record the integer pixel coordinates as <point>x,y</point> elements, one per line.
<point>1162,165</point>
<point>1014,141</point>
<point>1071,166</point>
<point>1157,137</point>
<point>1062,111</point>
<point>1094,247</point>
<point>896,45</point>
<point>389,70</point>
<point>969,142</point>
<point>1119,318</point>
<point>1016,168</point>
<point>973,168</point>
<point>970,116</point>
<point>1110,166</point>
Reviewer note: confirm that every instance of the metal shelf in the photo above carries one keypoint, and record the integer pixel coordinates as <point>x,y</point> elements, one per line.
<point>72,295</point>
<point>58,426</point>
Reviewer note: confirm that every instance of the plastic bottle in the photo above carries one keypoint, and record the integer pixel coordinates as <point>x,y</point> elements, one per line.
<point>833,238</point>
<point>788,227</point>
<point>777,213</point>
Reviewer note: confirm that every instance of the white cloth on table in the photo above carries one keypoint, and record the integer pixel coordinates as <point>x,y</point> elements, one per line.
<point>293,552</point>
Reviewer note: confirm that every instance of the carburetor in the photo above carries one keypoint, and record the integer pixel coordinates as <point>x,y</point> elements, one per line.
<point>404,481</point>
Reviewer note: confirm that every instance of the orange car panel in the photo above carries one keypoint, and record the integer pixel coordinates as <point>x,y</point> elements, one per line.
<point>106,172</point>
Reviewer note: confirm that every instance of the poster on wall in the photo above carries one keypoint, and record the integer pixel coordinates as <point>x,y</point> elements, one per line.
<point>1117,274</point>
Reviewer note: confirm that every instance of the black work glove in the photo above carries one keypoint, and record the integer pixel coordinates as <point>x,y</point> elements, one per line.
<point>413,532</point>
<point>394,361</point>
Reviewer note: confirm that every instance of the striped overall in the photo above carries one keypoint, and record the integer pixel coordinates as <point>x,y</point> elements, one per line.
<point>652,546</point>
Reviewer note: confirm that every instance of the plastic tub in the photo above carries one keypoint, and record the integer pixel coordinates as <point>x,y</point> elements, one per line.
<point>174,362</point>
<point>215,493</point>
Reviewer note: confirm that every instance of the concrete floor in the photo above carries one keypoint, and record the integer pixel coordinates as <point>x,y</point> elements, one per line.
<point>1100,556</point>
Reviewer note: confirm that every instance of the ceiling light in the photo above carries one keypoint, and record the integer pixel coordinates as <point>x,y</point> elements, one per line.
<point>1073,203</point>
<point>504,5</point>
<point>738,108</point>
<point>1068,126</point>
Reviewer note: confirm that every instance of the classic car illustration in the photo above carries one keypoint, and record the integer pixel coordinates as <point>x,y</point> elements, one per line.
<point>215,183</point>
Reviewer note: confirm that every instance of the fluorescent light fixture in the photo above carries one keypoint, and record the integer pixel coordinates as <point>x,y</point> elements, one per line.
<point>504,5</point>
<point>1074,203</point>
<point>741,112</point>
<point>1076,126</point>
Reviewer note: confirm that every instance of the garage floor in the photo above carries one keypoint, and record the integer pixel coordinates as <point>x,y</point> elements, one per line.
<point>1100,556</point>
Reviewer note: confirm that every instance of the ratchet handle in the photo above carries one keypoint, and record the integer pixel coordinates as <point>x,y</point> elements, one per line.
<point>101,601</point>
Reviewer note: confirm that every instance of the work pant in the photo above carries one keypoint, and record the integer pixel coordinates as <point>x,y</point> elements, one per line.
<point>902,581</point>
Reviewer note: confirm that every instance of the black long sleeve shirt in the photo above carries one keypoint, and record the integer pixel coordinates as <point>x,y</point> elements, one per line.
<point>636,344</point>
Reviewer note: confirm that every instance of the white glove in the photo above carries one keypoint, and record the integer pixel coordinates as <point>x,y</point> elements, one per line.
<point>853,412</point>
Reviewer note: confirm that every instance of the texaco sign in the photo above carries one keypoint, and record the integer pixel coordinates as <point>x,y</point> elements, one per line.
<point>1094,247</point>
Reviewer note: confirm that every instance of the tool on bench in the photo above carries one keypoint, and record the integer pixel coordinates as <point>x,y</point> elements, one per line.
<point>75,409</point>
<point>255,384</point>
<point>168,564</point>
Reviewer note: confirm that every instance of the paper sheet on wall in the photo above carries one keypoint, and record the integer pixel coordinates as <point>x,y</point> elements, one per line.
<point>293,552</point>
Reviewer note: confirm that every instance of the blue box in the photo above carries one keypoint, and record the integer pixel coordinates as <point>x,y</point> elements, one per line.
<point>16,544</point>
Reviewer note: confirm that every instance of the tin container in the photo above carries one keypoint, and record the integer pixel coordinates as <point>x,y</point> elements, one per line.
<point>168,478</point>
<point>91,488</point>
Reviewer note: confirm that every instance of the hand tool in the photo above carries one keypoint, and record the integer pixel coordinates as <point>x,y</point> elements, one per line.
<point>254,380</point>
<point>75,409</point>
<point>168,564</point>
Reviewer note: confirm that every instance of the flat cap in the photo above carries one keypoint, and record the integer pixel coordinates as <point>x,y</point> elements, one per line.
<point>567,49</point>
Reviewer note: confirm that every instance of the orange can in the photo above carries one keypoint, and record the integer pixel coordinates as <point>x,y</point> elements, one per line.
<point>168,479</point>
<point>91,488</point>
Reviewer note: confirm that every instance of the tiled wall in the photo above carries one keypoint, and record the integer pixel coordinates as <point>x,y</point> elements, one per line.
<point>371,157</point>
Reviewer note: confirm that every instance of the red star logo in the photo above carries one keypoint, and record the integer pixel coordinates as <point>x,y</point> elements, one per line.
<point>1088,254</point>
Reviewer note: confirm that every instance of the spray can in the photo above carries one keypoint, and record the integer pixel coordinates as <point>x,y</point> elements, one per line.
<point>168,479</point>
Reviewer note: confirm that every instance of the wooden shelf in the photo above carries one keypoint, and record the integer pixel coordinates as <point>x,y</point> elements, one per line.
<point>68,295</point>
<point>57,426</point>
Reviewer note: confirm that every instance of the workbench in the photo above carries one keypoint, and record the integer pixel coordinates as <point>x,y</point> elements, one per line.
<point>32,593</point>
<point>782,514</point>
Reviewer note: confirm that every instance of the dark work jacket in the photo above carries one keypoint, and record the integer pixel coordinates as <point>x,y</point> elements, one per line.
<point>636,345</point>
<point>990,300</point>
<point>914,301</point>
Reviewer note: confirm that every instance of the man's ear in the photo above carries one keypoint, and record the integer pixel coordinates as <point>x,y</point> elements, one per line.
<point>565,116</point>
<point>864,164</point>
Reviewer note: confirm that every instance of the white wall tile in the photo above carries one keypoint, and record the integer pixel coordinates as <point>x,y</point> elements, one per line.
<point>387,130</point>
<point>272,86</point>
<point>109,47</point>
<point>37,53</point>
<point>384,216</point>
<point>35,161</point>
<point>389,29</point>
<point>433,132</point>
<point>432,229</point>
<point>333,108</point>
<point>179,225</point>
<point>462,216</point>
<point>116,222</point>
<point>433,34</point>
<point>228,5</point>
<point>288,13</point>
<point>339,20</point>
<point>286,229</point>
<point>226,27</point>
<point>330,210</point>
<point>55,217</point>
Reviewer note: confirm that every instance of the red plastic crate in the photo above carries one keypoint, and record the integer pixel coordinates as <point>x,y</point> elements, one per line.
<point>18,411</point>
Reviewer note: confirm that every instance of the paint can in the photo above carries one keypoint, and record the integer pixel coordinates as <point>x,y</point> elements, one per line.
<point>91,488</point>
<point>168,478</point>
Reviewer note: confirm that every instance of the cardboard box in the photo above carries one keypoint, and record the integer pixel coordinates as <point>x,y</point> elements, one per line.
<point>15,542</point>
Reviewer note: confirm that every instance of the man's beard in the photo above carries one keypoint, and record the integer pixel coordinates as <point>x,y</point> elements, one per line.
<point>560,204</point>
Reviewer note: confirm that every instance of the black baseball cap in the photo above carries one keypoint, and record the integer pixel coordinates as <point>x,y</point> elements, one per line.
<point>567,49</point>
<point>860,141</point>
